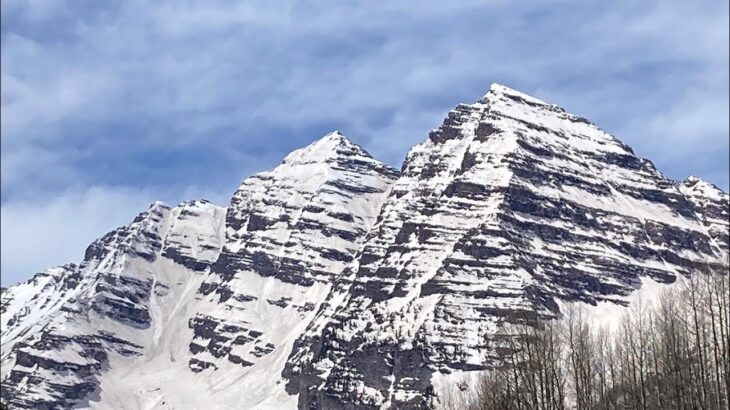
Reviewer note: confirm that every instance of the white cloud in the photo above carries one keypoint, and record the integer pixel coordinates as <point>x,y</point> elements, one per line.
<point>104,93</point>
<point>40,234</point>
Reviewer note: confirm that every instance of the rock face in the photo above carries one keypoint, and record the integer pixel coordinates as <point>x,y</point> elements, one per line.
<point>334,281</point>
<point>509,207</point>
<point>185,300</point>
<point>64,328</point>
<point>712,206</point>
<point>289,235</point>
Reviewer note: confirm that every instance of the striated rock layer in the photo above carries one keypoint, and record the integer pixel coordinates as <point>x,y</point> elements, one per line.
<point>289,234</point>
<point>334,281</point>
<point>65,327</point>
<point>181,305</point>
<point>511,206</point>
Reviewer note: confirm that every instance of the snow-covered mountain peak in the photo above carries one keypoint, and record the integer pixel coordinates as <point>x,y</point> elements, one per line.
<point>195,203</point>
<point>695,186</point>
<point>331,184</point>
<point>510,208</point>
<point>497,91</point>
<point>324,150</point>
<point>509,120</point>
<point>155,205</point>
<point>335,281</point>
<point>290,233</point>
<point>335,135</point>
<point>333,160</point>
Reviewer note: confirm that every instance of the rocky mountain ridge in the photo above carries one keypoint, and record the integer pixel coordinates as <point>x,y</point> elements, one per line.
<point>510,207</point>
<point>335,281</point>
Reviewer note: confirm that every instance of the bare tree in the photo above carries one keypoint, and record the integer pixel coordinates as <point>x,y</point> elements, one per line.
<point>674,354</point>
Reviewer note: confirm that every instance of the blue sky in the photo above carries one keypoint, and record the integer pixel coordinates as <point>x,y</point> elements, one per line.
<point>107,106</point>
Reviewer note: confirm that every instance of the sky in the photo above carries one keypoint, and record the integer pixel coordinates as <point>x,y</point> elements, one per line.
<point>108,106</point>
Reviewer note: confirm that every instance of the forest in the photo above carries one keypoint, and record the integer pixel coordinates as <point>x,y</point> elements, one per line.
<point>671,352</point>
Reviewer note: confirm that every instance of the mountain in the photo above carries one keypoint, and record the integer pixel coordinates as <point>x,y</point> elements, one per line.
<point>335,281</point>
<point>195,296</point>
<point>64,329</point>
<point>509,208</point>
<point>711,206</point>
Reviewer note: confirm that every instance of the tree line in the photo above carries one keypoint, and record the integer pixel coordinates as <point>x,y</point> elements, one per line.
<point>669,353</point>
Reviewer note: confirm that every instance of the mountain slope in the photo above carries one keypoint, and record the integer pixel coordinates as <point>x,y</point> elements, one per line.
<point>334,281</point>
<point>712,207</point>
<point>63,328</point>
<point>145,320</point>
<point>510,207</point>
<point>289,233</point>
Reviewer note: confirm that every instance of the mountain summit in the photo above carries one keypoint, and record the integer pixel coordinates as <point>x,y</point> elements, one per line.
<point>511,208</point>
<point>329,147</point>
<point>335,281</point>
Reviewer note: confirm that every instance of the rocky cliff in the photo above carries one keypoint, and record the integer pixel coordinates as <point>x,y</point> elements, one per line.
<point>335,281</point>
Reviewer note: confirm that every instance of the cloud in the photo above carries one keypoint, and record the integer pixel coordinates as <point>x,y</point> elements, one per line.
<point>39,235</point>
<point>193,96</point>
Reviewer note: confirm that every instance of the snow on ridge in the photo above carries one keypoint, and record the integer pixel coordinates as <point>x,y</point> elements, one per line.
<point>325,148</point>
<point>695,186</point>
<point>500,89</point>
<point>334,261</point>
<point>452,245</point>
<point>290,232</point>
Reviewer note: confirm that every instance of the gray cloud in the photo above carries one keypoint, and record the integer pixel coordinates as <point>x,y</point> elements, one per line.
<point>195,95</point>
<point>38,235</point>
